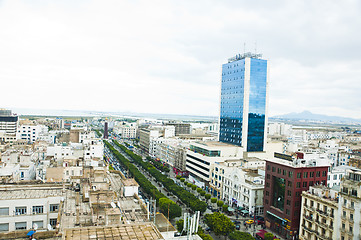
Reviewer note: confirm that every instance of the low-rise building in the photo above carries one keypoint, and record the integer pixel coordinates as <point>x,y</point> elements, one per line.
<point>23,206</point>
<point>319,214</point>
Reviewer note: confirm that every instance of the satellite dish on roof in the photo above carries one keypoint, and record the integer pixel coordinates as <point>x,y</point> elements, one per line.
<point>50,227</point>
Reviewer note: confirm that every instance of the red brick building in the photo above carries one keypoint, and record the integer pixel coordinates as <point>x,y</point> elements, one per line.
<point>286,177</point>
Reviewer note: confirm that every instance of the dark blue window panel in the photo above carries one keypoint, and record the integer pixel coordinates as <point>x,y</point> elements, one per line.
<point>232,92</point>
<point>257,105</point>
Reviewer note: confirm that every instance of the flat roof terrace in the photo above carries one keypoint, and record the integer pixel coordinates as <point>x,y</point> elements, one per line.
<point>9,192</point>
<point>141,231</point>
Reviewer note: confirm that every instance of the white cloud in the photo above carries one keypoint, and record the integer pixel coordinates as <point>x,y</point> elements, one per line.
<point>166,56</point>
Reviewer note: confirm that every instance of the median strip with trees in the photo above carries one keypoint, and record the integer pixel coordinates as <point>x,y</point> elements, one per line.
<point>163,202</point>
<point>186,197</point>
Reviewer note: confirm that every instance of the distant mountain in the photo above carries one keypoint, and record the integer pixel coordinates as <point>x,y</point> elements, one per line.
<point>307,115</point>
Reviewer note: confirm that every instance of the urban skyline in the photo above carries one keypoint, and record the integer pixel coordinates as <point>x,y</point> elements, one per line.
<point>164,57</point>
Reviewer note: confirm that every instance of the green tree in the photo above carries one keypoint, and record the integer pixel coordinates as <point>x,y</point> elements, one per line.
<point>194,187</point>
<point>178,177</point>
<point>189,184</point>
<point>213,200</point>
<point>207,196</point>
<point>202,193</point>
<point>220,203</point>
<point>219,223</point>
<point>237,235</point>
<point>199,190</point>
<point>268,236</point>
<point>174,209</point>
<point>179,224</point>
<point>182,179</point>
<point>225,208</point>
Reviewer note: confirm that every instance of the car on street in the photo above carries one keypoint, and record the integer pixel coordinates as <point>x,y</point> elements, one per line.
<point>259,222</point>
<point>238,227</point>
<point>250,221</point>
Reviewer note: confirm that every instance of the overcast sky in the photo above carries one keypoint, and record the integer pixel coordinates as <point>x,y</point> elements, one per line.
<point>166,56</point>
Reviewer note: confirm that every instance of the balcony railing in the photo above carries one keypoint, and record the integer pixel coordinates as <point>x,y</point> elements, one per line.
<point>309,208</point>
<point>322,212</point>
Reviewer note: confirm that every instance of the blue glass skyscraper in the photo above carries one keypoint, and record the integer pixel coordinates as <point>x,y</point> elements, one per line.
<point>243,114</point>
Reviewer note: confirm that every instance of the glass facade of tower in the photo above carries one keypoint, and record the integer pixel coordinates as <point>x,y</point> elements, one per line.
<point>232,92</point>
<point>233,106</point>
<point>257,105</point>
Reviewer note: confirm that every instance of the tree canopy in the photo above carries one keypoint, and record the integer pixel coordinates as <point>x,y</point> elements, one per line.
<point>219,223</point>
<point>237,235</point>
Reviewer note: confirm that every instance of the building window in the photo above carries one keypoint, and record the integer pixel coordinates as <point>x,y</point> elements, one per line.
<point>289,183</point>
<point>268,176</point>
<point>304,184</point>
<point>267,193</point>
<point>4,227</point>
<point>20,225</point>
<point>312,174</point>
<point>284,173</point>
<point>289,193</point>
<point>305,174</point>
<point>53,222</point>
<point>297,194</point>
<point>290,174</point>
<point>38,223</point>
<point>279,170</point>
<point>38,209</point>
<point>20,210</point>
<point>287,211</point>
<point>288,202</point>
<point>318,174</point>
<point>4,211</point>
<point>324,173</point>
<point>298,175</point>
<point>298,185</point>
<point>54,207</point>
<point>311,183</point>
<point>273,169</point>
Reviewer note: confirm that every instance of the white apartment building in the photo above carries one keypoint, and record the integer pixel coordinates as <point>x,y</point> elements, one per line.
<point>319,214</point>
<point>279,129</point>
<point>168,151</point>
<point>349,206</point>
<point>17,166</point>
<point>202,155</point>
<point>240,183</point>
<point>31,133</point>
<point>8,126</point>
<point>335,175</point>
<point>23,206</point>
<point>126,130</point>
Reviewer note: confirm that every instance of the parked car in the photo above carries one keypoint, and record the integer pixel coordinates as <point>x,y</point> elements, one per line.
<point>238,227</point>
<point>250,221</point>
<point>260,218</point>
<point>259,222</point>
